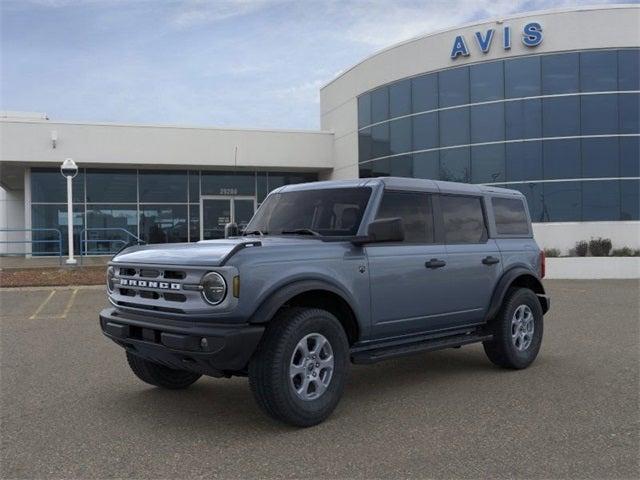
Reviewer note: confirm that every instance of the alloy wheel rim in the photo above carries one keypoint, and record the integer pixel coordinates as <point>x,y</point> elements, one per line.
<point>311,366</point>
<point>522,327</point>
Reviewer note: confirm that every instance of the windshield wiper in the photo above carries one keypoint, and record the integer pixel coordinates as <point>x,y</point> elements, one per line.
<point>254,232</point>
<point>301,231</point>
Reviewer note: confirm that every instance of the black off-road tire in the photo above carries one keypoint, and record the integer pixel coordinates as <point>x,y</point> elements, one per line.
<point>501,349</point>
<point>269,367</point>
<point>159,375</point>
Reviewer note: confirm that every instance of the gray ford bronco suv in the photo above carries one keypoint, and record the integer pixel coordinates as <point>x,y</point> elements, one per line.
<point>330,273</point>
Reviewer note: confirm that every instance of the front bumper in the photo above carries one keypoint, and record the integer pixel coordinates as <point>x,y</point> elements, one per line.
<point>208,349</point>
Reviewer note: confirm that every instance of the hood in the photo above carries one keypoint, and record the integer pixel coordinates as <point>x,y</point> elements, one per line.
<point>205,253</point>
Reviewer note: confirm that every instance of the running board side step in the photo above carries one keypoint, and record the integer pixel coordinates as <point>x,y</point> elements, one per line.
<point>384,353</point>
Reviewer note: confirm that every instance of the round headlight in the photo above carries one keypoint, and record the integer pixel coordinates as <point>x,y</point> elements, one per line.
<point>214,288</point>
<point>111,272</point>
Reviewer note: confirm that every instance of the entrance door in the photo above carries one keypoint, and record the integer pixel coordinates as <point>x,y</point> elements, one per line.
<point>217,211</point>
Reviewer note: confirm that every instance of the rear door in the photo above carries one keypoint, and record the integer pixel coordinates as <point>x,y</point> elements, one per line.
<point>407,295</point>
<point>474,263</point>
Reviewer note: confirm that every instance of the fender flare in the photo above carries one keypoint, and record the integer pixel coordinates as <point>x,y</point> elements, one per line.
<point>274,301</point>
<point>507,280</point>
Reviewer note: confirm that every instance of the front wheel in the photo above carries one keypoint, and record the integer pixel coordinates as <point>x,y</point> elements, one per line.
<point>517,330</point>
<point>298,372</point>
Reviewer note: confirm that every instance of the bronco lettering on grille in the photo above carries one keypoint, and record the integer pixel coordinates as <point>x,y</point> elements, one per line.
<point>127,282</point>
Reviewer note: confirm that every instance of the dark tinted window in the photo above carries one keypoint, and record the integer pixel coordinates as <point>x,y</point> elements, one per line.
<point>364,110</point>
<point>600,201</point>
<point>561,116</point>
<point>455,165</point>
<point>487,164</point>
<point>561,201</point>
<point>522,77</point>
<point>401,166</point>
<point>487,81</point>
<point>524,161</point>
<point>400,135</point>
<point>560,73</point>
<point>365,145</point>
<point>561,159</point>
<point>163,186</point>
<point>380,140</point>
<point>163,223</point>
<point>379,105</point>
<point>228,183</point>
<point>54,217</point>
<point>117,186</point>
<point>454,127</point>
<point>630,157</point>
<point>487,123</point>
<point>425,131</point>
<point>415,211</point>
<point>400,98</point>
<point>533,193</point>
<point>453,87</point>
<point>629,70</point>
<point>523,119</point>
<point>630,200</point>
<point>629,113</point>
<point>426,165</point>
<point>598,71</point>
<point>194,186</point>
<point>424,93</point>
<point>463,219</point>
<point>599,114</point>
<point>510,215</point>
<point>600,157</point>
<point>49,186</point>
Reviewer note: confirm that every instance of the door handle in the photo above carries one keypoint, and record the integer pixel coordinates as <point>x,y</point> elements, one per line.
<point>490,260</point>
<point>435,263</point>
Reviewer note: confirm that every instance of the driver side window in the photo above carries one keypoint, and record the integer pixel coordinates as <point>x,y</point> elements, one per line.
<point>415,210</point>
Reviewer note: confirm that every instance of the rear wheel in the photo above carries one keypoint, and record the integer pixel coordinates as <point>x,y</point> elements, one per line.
<point>298,372</point>
<point>159,375</point>
<point>517,330</point>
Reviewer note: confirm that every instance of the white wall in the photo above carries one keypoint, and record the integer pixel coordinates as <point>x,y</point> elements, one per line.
<point>565,235</point>
<point>575,29</point>
<point>11,217</point>
<point>29,142</point>
<point>593,268</point>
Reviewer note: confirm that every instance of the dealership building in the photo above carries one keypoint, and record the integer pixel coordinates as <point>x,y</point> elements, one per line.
<point>546,103</point>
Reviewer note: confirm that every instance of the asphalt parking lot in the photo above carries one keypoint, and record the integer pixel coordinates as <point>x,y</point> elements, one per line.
<point>71,407</point>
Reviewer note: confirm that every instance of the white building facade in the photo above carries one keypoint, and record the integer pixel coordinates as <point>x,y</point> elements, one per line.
<point>546,103</point>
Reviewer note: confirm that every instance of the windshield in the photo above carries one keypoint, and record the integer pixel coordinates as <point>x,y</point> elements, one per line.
<point>325,212</point>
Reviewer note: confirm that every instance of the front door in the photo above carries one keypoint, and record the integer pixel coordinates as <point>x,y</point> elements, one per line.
<point>217,211</point>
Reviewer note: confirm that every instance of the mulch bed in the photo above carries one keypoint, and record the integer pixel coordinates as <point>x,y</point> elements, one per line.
<point>52,276</point>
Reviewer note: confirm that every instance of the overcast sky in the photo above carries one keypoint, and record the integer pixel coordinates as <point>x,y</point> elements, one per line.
<point>245,63</point>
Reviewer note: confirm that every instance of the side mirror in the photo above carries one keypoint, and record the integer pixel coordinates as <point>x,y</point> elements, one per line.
<point>230,230</point>
<point>384,230</point>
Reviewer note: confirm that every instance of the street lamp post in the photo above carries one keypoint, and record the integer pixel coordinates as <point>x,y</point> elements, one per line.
<point>69,170</point>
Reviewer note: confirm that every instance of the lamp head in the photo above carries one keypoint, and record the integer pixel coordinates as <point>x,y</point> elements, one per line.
<point>69,169</point>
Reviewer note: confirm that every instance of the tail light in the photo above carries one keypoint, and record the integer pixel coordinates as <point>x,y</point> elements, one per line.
<point>543,264</point>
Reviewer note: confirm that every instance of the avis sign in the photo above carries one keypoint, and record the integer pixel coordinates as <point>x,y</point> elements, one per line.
<point>531,37</point>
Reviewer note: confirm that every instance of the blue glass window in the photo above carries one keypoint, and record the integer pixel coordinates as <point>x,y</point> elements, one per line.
<point>454,127</point>
<point>630,200</point>
<point>629,69</point>
<point>600,201</point>
<point>163,223</point>
<point>560,73</point>
<point>425,131</point>
<point>523,119</point>
<point>112,186</point>
<point>53,216</point>
<point>365,147</point>
<point>380,168</point>
<point>194,186</point>
<point>629,113</point>
<point>262,186</point>
<point>630,156</point>
<point>113,217</point>
<point>426,165</point>
<point>163,186</point>
<point>380,140</point>
<point>401,166</point>
<point>379,105</point>
<point>561,116</point>
<point>600,157</point>
<point>561,159</point>
<point>599,114</point>
<point>364,110</point>
<point>561,202</point>
<point>400,135</point>
<point>194,222</point>
<point>487,123</point>
<point>455,165</point>
<point>424,93</point>
<point>524,161</point>
<point>487,81</point>
<point>599,71</point>
<point>228,183</point>
<point>522,77</point>
<point>400,99</point>
<point>453,86</point>
<point>487,164</point>
<point>49,186</point>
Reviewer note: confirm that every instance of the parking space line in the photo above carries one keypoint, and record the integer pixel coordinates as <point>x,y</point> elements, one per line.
<point>42,305</point>
<point>69,304</point>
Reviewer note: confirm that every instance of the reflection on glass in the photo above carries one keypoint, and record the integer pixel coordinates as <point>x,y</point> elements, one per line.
<point>425,131</point>
<point>228,183</point>
<point>163,186</point>
<point>54,217</point>
<point>487,81</point>
<point>600,201</point>
<point>598,71</point>
<point>561,116</point>
<point>364,110</point>
<point>400,98</point>
<point>454,165</point>
<point>600,157</point>
<point>522,77</point>
<point>599,114</point>
<point>104,186</point>
<point>163,223</point>
<point>365,147</point>
<point>629,113</point>
<point>454,127</point>
<point>400,135</point>
<point>49,186</point>
<point>629,69</point>
<point>560,73</point>
<point>424,93</point>
<point>426,165</point>
<point>487,164</point>
<point>194,222</point>
<point>487,123</point>
<point>523,119</point>
<point>561,159</point>
<point>562,202</point>
<point>630,157</point>
<point>380,104</point>
<point>630,200</point>
<point>114,218</point>
<point>380,140</point>
<point>523,161</point>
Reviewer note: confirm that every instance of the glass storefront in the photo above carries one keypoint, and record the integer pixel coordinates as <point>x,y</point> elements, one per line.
<point>158,206</point>
<point>523,123</point>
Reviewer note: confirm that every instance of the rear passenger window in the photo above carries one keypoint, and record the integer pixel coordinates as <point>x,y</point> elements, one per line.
<point>511,218</point>
<point>415,211</point>
<point>463,219</point>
